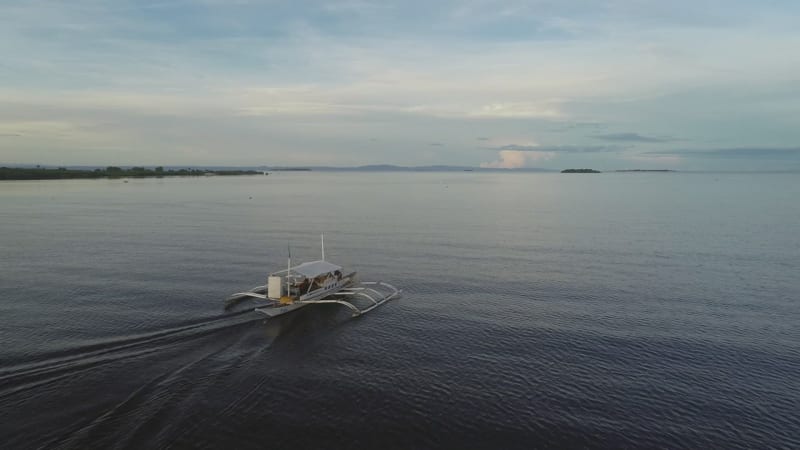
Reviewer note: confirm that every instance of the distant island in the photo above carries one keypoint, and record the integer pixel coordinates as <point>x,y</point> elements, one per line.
<point>61,173</point>
<point>644,170</point>
<point>580,171</point>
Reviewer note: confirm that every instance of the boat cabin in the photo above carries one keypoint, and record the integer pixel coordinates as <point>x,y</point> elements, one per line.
<point>302,280</point>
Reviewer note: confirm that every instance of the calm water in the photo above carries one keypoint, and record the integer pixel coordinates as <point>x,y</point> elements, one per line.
<point>540,310</point>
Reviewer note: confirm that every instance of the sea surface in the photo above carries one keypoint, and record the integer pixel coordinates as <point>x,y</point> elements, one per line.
<point>540,310</point>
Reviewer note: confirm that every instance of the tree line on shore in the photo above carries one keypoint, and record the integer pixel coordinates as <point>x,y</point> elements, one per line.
<point>39,173</point>
<point>580,171</point>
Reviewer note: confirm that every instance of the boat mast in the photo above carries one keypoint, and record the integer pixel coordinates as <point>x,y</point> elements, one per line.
<point>322,238</point>
<point>288,270</point>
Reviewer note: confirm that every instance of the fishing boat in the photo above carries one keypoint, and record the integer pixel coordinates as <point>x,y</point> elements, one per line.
<point>316,282</point>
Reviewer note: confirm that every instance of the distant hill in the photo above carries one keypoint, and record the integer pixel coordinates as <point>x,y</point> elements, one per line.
<point>644,170</point>
<point>434,168</point>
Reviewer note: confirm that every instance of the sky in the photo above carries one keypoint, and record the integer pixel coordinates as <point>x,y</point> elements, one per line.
<point>614,84</point>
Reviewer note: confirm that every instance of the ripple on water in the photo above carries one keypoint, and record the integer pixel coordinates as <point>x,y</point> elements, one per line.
<point>527,325</point>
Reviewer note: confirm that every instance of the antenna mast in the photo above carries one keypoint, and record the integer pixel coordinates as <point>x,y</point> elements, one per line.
<point>288,270</point>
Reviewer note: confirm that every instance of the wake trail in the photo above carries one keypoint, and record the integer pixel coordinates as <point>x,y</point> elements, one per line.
<point>52,366</point>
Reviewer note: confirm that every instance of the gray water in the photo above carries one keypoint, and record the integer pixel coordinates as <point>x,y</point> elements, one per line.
<point>539,310</point>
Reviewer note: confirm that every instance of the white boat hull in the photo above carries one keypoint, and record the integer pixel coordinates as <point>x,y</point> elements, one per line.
<point>273,311</point>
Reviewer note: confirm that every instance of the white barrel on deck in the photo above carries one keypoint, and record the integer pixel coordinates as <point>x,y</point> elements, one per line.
<point>275,287</point>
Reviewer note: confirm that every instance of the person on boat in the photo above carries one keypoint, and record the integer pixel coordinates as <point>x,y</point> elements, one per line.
<point>303,285</point>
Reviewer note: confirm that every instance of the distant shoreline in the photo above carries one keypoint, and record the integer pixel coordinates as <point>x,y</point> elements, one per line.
<point>247,170</point>
<point>620,170</point>
<point>38,173</point>
<point>12,171</point>
<point>580,171</point>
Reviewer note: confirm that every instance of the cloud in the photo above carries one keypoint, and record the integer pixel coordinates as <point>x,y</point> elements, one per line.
<point>516,159</point>
<point>631,137</point>
<point>779,153</point>
<point>547,109</point>
<point>578,125</point>
<point>664,160</point>
<point>516,156</point>
<point>561,148</point>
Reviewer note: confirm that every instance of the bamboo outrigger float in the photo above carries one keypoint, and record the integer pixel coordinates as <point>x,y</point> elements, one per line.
<point>316,282</point>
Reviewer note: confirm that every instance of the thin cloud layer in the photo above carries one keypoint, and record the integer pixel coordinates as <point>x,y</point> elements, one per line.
<point>562,148</point>
<point>743,153</point>
<point>632,137</point>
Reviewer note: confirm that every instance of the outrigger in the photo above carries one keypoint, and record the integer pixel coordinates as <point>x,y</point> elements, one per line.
<point>316,282</point>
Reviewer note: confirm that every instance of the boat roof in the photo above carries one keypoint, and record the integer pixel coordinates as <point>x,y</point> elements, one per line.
<point>315,268</point>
